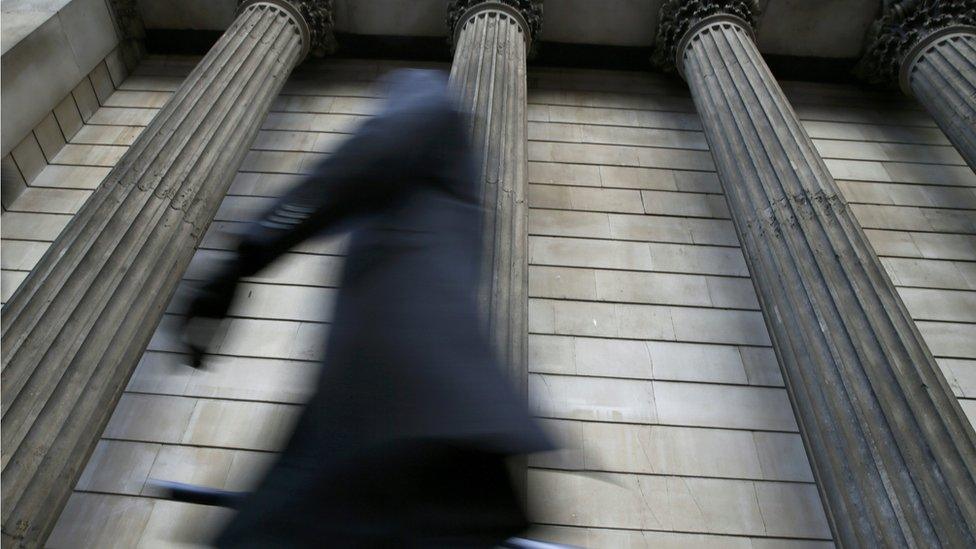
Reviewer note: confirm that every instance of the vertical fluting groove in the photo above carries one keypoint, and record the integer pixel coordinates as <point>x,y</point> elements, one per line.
<point>67,343</point>
<point>135,327</point>
<point>505,264</point>
<point>893,456</point>
<point>140,249</point>
<point>488,77</point>
<point>74,332</point>
<point>708,99</point>
<point>849,331</point>
<point>741,170</point>
<point>20,310</point>
<point>92,228</point>
<point>943,79</point>
<point>109,288</point>
<point>715,99</point>
<point>856,295</point>
<point>760,201</point>
<point>490,192</point>
<point>50,371</point>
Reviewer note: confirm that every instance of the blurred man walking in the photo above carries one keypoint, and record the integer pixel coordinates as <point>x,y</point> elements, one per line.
<point>405,441</point>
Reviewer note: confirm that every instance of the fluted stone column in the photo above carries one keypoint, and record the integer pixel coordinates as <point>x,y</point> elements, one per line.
<point>74,331</point>
<point>488,76</point>
<point>929,48</point>
<point>893,456</point>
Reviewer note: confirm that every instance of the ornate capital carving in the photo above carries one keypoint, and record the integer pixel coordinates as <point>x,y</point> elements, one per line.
<point>680,16</point>
<point>903,25</point>
<point>529,10</point>
<point>314,19</point>
<point>319,14</point>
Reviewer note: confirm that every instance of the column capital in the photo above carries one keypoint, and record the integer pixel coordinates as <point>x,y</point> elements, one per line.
<point>904,28</point>
<point>315,21</point>
<point>527,12</point>
<point>680,19</point>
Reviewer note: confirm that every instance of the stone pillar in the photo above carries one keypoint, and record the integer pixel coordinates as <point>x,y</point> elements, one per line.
<point>491,40</point>
<point>929,48</point>
<point>74,331</point>
<point>892,453</point>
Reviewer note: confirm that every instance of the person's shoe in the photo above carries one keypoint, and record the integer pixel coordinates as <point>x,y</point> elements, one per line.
<point>525,543</point>
<point>201,495</point>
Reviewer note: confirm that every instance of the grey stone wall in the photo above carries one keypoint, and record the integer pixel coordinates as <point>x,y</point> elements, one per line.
<point>41,146</point>
<point>53,170</point>
<point>48,48</point>
<point>221,426</point>
<point>647,348</point>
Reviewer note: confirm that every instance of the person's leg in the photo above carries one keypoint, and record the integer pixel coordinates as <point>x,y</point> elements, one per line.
<point>403,494</point>
<point>446,495</point>
<point>200,495</point>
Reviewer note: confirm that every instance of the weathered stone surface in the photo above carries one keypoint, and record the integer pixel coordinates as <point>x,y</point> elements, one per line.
<point>74,331</point>
<point>893,455</point>
<point>489,80</point>
<point>488,76</point>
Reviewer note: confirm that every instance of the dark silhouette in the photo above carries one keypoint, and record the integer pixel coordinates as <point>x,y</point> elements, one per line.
<point>405,441</point>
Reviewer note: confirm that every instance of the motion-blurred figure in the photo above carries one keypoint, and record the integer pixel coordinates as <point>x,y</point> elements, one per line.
<point>405,441</point>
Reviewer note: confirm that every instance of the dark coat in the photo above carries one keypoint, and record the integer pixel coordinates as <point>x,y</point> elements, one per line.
<point>413,415</point>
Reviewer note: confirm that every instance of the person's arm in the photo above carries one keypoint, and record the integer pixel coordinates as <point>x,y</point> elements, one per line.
<point>365,174</point>
<point>358,178</point>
